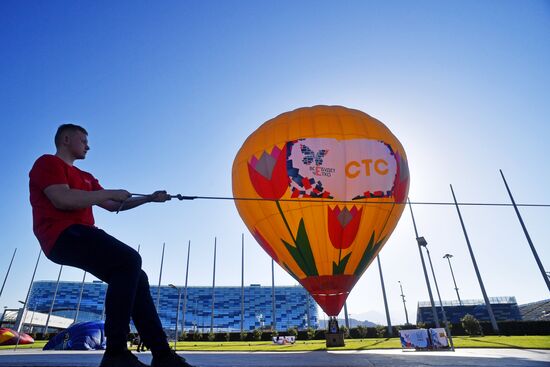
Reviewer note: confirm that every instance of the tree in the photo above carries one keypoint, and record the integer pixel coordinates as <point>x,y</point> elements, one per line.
<point>257,334</point>
<point>344,330</point>
<point>362,331</point>
<point>380,331</point>
<point>196,335</point>
<point>471,325</point>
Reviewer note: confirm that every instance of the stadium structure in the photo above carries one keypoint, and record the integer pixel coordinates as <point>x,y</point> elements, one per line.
<point>504,309</point>
<point>294,307</point>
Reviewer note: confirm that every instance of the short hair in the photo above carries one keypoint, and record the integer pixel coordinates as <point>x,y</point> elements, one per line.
<point>67,128</point>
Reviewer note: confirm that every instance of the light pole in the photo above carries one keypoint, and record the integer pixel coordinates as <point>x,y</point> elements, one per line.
<point>177,314</point>
<point>79,299</point>
<point>474,263</point>
<point>448,257</point>
<point>388,320</point>
<point>3,315</point>
<point>160,275</point>
<point>404,306</point>
<point>420,241</point>
<point>53,301</point>
<point>18,327</point>
<point>7,273</point>
<point>535,254</point>
<point>439,297</point>
<point>185,291</point>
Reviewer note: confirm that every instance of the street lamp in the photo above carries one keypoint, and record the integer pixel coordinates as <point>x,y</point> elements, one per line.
<point>448,257</point>
<point>425,245</point>
<point>405,307</point>
<point>177,313</point>
<point>421,241</point>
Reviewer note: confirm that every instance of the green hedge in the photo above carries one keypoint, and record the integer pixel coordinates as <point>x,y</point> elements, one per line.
<point>506,328</point>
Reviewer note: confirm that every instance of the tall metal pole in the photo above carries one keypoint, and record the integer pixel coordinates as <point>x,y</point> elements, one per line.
<point>27,300</point>
<point>8,272</point>
<point>440,302</point>
<point>308,317</point>
<point>535,254</point>
<point>53,300</point>
<point>448,257</point>
<point>273,316</point>
<point>79,299</point>
<point>346,318</point>
<point>242,284</point>
<point>160,275</point>
<point>487,302</point>
<point>404,306</point>
<point>390,330</point>
<point>185,289</point>
<point>177,313</point>
<point>419,241</point>
<point>104,301</point>
<point>213,289</point>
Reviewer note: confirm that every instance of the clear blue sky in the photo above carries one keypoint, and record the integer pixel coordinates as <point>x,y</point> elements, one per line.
<point>170,90</point>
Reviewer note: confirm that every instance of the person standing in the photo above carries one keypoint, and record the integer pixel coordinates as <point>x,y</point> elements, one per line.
<point>62,197</point>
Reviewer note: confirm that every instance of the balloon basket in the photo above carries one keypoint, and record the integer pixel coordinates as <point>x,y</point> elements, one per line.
<point>335,340</point>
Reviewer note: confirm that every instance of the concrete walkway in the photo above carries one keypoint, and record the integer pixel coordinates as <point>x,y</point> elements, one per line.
<point>370,358</point>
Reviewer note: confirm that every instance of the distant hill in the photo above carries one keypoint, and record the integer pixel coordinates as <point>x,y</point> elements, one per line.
<point>535,311</point>
<point>352,323</point>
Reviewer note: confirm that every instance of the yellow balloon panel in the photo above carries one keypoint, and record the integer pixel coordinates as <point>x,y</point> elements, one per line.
<point>331,184</point>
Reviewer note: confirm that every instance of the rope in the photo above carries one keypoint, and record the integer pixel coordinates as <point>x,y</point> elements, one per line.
<point>315,200</point>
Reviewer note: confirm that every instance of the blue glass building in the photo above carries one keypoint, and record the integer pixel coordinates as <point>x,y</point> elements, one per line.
<point>291,303</point>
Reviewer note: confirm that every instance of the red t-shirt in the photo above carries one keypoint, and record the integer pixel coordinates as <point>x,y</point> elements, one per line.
<point>49,222</point>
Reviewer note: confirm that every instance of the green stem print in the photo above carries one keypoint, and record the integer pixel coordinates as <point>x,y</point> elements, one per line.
<point>301,252</point>
<point>284,220</point>
<point>368,255</point>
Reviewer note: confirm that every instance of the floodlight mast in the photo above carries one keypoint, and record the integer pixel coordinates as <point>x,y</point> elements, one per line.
<point>448,257</point>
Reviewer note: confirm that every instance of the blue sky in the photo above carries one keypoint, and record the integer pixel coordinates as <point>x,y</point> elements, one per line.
<point>170,90</point>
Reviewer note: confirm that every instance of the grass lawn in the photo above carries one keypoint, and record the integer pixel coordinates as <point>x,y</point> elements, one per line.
<point>37,344</point>
<point>534,342</point>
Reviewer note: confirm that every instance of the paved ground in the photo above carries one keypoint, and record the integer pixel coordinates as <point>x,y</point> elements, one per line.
<point>370,358</point>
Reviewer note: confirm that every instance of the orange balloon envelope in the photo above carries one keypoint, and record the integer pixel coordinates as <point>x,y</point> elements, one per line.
<point>331,183</point>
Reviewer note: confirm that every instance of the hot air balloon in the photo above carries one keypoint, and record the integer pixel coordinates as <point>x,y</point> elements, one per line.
<point>331,184</point>
<point>82,336</point>
<point>9,337</point>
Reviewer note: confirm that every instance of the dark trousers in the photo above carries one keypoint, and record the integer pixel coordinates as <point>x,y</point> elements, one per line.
<point>128,296</point>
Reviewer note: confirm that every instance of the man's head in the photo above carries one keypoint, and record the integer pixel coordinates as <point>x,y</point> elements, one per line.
<point>72,139</point>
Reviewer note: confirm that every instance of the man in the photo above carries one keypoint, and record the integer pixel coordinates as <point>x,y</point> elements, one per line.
<point>62,197</point>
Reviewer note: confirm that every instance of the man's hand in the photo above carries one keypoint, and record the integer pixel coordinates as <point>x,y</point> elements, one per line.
<point>159,196</point>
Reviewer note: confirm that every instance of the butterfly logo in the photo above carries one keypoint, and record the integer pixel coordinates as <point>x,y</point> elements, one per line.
<point>309,155</point>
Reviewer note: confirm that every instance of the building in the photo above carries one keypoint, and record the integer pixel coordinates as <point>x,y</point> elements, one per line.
<point>504,309</point>
<point>294,307</point>
<point>536,311</point>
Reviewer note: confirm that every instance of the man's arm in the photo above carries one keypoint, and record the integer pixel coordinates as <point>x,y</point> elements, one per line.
<point>133,202</point>
<point>65,198</point>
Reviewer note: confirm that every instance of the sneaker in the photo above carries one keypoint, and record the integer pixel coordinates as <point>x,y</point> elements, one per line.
<point>170,360</point>
<point>123,359</point>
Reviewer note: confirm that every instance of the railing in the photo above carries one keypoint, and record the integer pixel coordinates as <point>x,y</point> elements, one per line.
<point>471,302</point>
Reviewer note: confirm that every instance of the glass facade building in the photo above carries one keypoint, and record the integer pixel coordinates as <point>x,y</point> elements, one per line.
<point>294,307</point>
